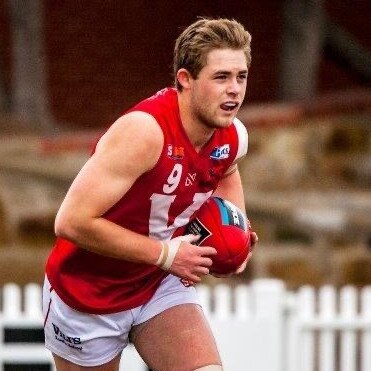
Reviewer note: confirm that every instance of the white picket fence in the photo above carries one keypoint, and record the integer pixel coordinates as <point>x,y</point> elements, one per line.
<point>258,327</point>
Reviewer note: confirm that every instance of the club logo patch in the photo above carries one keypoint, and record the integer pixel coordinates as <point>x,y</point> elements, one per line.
<point>190,179</point>
<point>220,153</point>
<point>176,153</point>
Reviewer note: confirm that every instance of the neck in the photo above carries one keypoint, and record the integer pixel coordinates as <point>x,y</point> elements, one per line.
<point>198,133</point>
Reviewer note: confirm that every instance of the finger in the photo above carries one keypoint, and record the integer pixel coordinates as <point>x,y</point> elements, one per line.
<point>242,267</point>
<point>206,262</point>
<point>249,255</point>
<point>203,271</point>
<point>254,239</point>
<point>194,278</point>
<point>208,250</point>
<point>190,238</point>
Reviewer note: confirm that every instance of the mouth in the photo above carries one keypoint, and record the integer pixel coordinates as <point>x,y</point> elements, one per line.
<point>229,106</point>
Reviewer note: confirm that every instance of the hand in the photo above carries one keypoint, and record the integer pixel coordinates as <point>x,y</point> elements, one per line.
<point>191,262</point>
<point>254,240</point>
<point>242,267</point>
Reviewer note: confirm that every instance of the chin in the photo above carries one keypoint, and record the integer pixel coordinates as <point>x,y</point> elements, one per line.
<point>226,121</point>
<point>222,124</point>
<point>218,121</point>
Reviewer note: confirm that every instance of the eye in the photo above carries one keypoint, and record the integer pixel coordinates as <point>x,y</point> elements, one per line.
<point>220,77</point>
<point>242,76</point>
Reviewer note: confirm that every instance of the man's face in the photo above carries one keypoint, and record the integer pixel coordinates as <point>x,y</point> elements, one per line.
<point>218,91</point>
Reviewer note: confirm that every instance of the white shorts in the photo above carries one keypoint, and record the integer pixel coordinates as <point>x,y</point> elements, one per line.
<point>95,339</point>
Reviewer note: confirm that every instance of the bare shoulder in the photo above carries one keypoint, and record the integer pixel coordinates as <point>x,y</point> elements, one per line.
<point>135,135</point>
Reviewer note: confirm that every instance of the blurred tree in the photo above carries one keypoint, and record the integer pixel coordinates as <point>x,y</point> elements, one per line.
<point>4,93</point>
<point>301,48</point>
<point>4,88</point>
<point>307,33</point>
<point>347,50</point>
<point>29,100</point>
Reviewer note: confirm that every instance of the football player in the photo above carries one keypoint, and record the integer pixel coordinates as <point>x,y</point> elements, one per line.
<point>115,272</point>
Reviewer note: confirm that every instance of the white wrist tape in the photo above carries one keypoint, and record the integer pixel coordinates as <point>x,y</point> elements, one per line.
<point>168,252</point>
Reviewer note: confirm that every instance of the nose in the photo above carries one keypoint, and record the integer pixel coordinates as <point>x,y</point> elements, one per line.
<point>234,87</point>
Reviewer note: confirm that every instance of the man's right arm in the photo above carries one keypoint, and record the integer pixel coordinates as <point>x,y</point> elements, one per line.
<point>131,147</point>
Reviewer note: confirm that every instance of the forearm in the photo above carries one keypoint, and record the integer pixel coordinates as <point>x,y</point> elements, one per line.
<point>103,237</point>
<point>231,189</point>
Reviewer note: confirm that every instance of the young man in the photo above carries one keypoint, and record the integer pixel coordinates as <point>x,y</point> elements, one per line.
<point>116,272</point>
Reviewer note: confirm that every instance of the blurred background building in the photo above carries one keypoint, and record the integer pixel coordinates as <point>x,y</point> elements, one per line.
<point>69,68</point>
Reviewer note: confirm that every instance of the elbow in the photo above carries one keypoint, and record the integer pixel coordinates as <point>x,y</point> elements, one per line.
<point>65,226</point>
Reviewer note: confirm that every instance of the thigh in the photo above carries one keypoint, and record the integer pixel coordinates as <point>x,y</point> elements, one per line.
<point>64,365</point>
<point>178,339</point>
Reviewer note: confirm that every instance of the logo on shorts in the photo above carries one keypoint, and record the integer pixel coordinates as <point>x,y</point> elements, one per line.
<point>186,282</point>
<point>71,341</point>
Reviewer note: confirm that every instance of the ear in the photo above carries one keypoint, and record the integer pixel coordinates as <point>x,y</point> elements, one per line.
<point>184,78</point>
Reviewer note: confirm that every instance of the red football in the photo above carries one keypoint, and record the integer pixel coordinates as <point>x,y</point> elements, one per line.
<point>223,226</point>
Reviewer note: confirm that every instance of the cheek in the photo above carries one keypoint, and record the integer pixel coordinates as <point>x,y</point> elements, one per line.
<point>206,90</point>
<point>213,91</point>
<point>211,99</point>
<point>200,97</point>
<point>207,97</point>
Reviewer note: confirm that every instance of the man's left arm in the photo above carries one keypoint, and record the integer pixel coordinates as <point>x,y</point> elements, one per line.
<point>231,189</point>
<point>230,186</point>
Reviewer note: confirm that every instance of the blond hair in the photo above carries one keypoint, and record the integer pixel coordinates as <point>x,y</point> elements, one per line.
<point>198,39</point>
